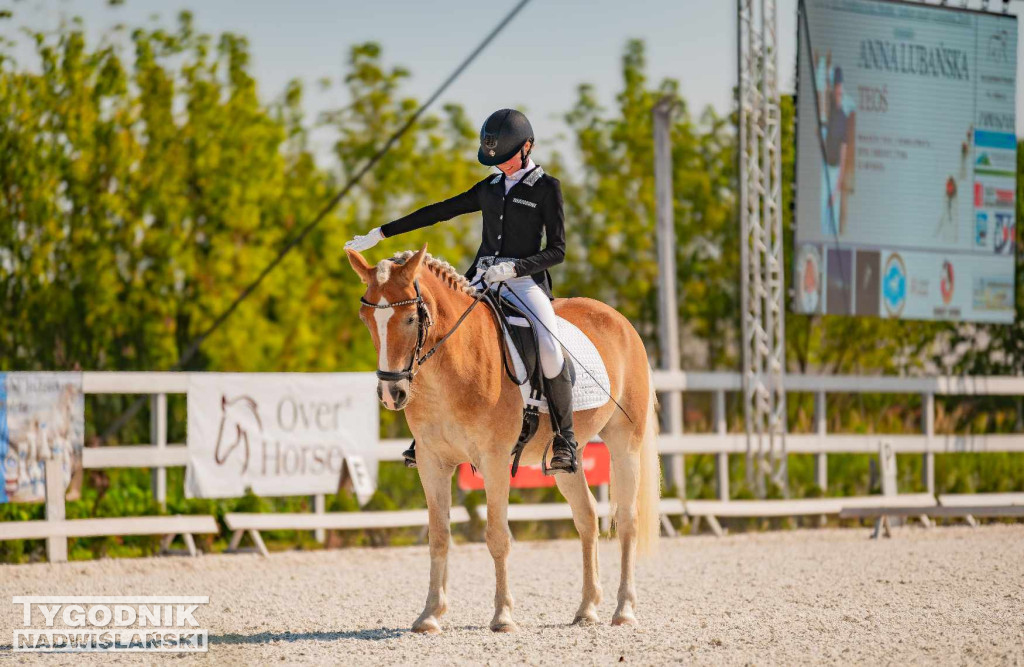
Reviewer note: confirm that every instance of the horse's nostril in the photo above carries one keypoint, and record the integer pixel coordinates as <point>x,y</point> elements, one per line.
<point>399,395</point>
<point>380,393</point>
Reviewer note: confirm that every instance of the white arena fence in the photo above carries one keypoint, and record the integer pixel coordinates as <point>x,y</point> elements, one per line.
<point>673,446</point>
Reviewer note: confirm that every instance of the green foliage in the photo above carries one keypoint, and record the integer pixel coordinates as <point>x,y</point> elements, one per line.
<point>611,212</point>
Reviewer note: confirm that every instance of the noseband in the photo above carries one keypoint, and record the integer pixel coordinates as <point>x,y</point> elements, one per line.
<point>423,328</point>
<point>423,315</point>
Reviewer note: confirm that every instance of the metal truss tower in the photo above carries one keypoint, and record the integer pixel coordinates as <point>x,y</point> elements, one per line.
<point>761,249</point>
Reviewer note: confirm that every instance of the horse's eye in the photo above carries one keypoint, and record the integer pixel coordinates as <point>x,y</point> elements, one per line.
<point>411,320</point>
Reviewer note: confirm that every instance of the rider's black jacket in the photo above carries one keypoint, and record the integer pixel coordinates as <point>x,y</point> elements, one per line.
<point>514,224</point>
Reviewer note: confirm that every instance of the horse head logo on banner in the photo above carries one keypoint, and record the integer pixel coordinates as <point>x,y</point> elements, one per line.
<point>239,420</point>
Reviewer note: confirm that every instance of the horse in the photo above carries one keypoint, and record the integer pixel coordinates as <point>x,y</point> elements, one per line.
<point>240,418</point>
<point>462,408</point>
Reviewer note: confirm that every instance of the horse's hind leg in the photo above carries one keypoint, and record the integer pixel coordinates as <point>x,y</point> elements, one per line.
<point>622,447</point>
<point>584,515</point>
<point>436,478</point>
<point>496,484</point>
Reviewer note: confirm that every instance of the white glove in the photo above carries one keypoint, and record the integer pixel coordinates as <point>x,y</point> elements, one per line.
<point>365,241</point>
<point>500,273</point>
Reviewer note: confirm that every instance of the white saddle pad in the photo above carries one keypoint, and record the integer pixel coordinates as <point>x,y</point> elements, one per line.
<point>591,389</point>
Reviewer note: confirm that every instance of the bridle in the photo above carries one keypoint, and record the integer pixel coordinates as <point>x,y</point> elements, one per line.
<point>423,329</point>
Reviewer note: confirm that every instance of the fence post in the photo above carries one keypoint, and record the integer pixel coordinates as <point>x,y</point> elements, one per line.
<point>675,464</point>
<point>56,543</point>
<point>158,436</point>
<point>721,458</point>
<point>668,306</point>
<point>821,458</point>
<point>928,423</point>
<point>320,507</point>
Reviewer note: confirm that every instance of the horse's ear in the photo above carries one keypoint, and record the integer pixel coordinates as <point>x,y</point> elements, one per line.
<point>415,262</point>
<point>360,265</point>
<point>409,270</point>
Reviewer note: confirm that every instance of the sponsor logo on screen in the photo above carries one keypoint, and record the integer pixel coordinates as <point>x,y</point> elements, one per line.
<point>894,285</point>
<point>808,264</point>
<point>981,230</point>
<point>1004,233</point>
<point>996,162</point>
<point>992,197</point>
<point>998,47</point>
<point>992,293</point>
<point>947,282</point>
<point>996,121</point>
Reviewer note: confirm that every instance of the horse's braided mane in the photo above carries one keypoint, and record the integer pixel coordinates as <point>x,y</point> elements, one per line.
<point>447,273</point>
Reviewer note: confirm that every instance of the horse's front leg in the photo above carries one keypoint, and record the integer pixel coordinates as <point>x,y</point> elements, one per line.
<point>494,469</point>
<point>436,478</point>
<point>584,515</point>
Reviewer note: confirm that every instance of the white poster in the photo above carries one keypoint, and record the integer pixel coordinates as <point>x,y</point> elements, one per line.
<point>906,161</point>
<point>279,434</point>
<point>42,416</point>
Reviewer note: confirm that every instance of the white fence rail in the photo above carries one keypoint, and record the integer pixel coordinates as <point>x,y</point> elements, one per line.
<point>160,454</point>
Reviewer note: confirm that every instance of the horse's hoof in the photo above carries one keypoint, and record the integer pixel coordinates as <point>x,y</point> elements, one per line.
<point>589,618</point>
<point>504,626</point>
<point>427,627</point>
<point>624,619</point>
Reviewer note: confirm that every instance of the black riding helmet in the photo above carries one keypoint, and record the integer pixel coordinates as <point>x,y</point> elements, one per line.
<point>503,134</point>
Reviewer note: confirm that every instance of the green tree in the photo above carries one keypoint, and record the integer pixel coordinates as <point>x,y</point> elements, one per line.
<point>611,216</point>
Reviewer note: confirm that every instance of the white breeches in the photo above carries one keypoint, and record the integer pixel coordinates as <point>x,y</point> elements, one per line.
<point>524,290</point>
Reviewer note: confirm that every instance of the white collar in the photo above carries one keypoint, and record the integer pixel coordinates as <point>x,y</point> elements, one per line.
<point>522,172</point>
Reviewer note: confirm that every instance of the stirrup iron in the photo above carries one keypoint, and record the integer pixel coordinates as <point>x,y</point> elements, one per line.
<point>548,471</point>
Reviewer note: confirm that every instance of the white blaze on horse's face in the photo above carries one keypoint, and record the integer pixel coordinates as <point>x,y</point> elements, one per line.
<point>394,395</point>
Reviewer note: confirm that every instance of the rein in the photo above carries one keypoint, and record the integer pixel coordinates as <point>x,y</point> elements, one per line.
<point>423,329</point>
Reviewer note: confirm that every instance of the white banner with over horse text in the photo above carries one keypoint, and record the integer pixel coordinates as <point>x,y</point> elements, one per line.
<point>279,434</point>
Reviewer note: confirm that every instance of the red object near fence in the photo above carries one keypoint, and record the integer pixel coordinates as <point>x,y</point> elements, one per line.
<point>595,465</point>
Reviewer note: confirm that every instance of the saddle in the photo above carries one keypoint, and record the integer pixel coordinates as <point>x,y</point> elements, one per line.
<point>518,328</point>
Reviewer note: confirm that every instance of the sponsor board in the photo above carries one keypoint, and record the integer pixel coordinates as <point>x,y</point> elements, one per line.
<point>280,434</point>
<point>42,417</point>
<point>595,462</point>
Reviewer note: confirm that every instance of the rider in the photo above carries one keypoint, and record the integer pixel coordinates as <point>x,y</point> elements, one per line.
<point>520,205</point>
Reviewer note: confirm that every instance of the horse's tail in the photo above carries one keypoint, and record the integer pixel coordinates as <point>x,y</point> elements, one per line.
<point>649,493</point>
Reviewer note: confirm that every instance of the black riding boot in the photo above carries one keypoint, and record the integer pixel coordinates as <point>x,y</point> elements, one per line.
<point>410,455</point>
<point>563,449</point>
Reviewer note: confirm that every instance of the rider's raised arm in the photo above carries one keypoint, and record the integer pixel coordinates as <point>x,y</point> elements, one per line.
<point>554,233</point>
<point>467,202</point>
